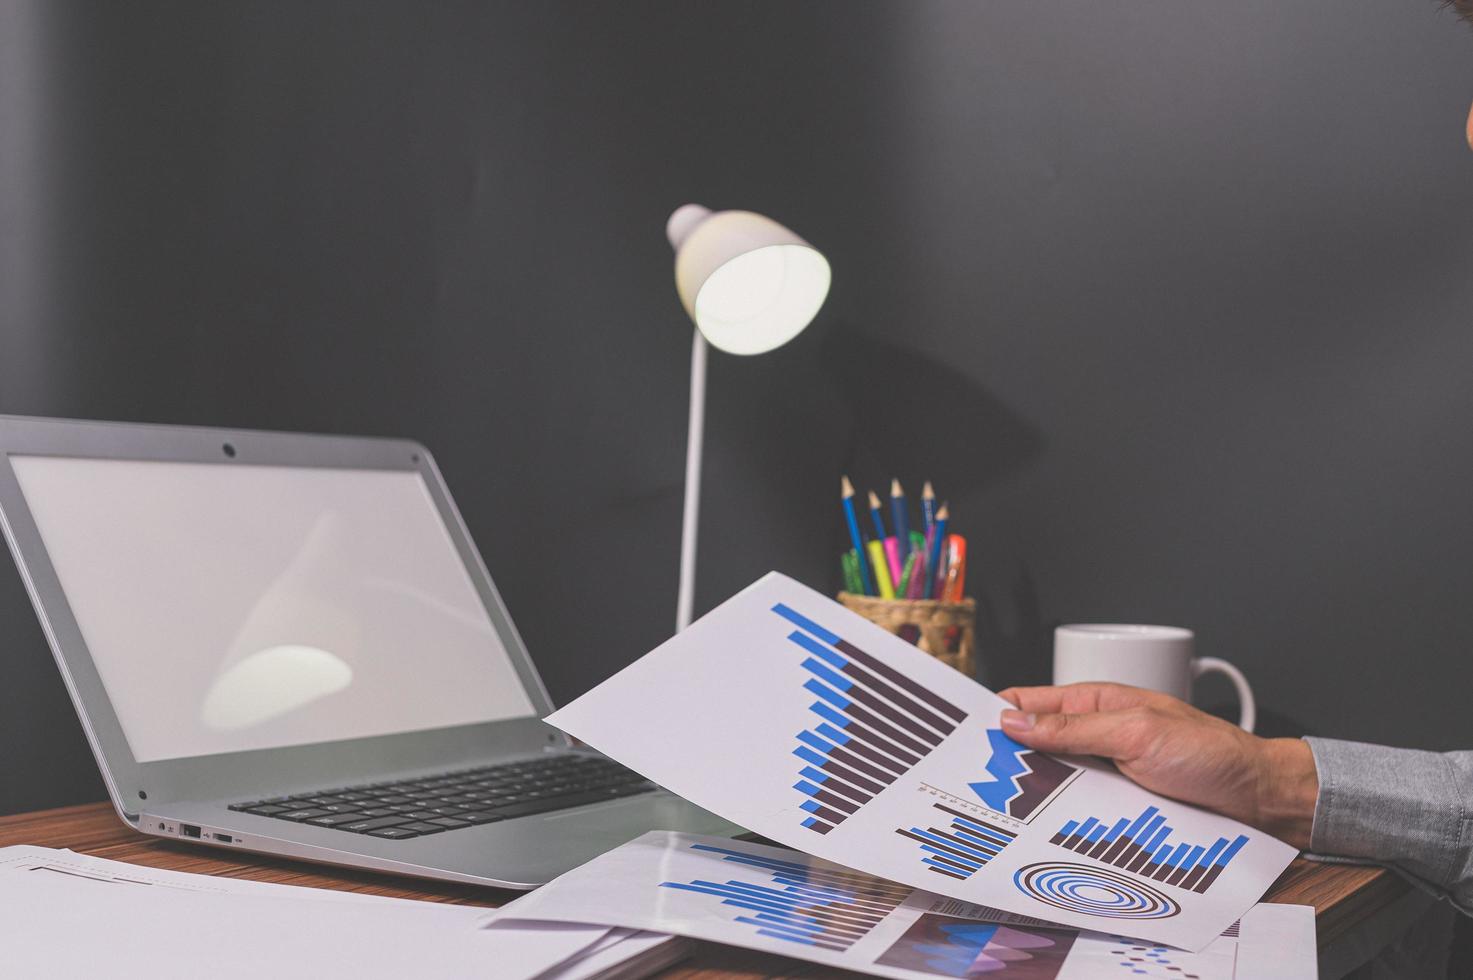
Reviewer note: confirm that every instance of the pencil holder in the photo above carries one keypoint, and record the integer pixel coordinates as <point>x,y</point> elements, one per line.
<point>945,630</point>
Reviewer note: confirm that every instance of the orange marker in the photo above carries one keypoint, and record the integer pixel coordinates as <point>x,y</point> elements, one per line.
<point>956,569</point>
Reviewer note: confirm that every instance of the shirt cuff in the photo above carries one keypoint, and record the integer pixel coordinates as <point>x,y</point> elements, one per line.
<point>1400,806</point>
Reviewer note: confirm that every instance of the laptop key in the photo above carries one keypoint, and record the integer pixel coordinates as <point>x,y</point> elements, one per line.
<point>268,810</point>
<point>448,822</point>
<point>476,817</point>
<point>300,815</point>
<point>552,803</point>
<point>392,833</point>
<point>335,819</point>
<point>420,827</point>
<point>364,826</point>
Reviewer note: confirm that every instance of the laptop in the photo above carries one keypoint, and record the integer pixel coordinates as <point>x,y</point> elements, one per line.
<point>289,644</point>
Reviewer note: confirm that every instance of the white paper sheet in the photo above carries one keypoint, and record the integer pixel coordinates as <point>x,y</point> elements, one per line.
<point>780,901</point>
<point>1278,943</point>
<point>68,915</point>
<point>623,953</point>
<point>786,713</point>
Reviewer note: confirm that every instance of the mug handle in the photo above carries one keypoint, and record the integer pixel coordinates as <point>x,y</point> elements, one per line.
<point>1247,709</point>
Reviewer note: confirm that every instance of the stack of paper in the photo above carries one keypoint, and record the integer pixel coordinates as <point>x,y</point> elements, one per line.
<point>69,915</point>
<point>780,901</point>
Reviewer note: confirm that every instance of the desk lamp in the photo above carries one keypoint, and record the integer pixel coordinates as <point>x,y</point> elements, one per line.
<point>750,285</point>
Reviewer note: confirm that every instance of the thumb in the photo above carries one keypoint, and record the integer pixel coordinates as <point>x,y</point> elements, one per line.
<point>1103,733</point>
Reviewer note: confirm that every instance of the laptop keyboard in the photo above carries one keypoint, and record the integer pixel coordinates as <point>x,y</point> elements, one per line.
<point>463,798</point>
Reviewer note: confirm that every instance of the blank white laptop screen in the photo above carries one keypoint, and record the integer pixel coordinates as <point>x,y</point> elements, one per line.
<point>231,607</point>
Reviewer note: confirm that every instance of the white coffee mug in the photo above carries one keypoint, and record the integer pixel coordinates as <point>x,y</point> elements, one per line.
<point>1155,657</point>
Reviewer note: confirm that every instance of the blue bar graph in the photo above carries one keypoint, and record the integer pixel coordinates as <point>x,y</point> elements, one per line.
<point>871,724</point>
<point>1142,846</point>
<point>829,908</point>
<point>961,848</point>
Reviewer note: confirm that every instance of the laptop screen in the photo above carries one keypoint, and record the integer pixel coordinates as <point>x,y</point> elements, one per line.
<point>230,607</point>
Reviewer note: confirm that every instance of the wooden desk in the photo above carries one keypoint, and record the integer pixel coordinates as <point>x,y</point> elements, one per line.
<point>1345,897</point>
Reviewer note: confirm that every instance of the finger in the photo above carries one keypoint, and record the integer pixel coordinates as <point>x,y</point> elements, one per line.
<point>1076,698</point>
<point>1111,734</point>
<point>1035,698</point>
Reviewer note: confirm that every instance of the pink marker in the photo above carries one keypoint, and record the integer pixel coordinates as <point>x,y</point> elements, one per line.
<point>892,555</point>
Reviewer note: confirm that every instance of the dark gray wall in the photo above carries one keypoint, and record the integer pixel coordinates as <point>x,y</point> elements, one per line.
<point>1171,300</point>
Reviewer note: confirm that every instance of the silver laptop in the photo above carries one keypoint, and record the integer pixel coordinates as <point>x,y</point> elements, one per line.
<point>289,644</point>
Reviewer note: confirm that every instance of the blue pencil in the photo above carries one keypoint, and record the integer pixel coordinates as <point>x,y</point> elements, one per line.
<point>847,489</point>
<point>901,520</point>
<point>933,567</point>
<point>928,508</point>
<point>875,518</point>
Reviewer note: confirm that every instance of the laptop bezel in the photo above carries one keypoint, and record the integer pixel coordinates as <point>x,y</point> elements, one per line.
<point>135,786</point>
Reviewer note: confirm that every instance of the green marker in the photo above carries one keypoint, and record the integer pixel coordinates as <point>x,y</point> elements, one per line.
<point>849,564</point>
<point>906,573</point>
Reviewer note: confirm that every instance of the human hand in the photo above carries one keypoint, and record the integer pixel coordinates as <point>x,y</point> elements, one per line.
<point>1171,748</point>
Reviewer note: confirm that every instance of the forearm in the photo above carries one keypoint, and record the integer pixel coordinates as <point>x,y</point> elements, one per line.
<point>1405,807</point>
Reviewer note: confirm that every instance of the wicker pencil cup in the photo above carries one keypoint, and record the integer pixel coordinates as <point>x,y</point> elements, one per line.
<point>947,630</point>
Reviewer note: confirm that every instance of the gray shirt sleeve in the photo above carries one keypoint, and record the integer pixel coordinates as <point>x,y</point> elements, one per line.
<point>1405,807</point>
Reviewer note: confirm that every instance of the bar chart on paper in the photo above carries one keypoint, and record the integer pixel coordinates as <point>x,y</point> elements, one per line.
<point>1143,846</point>
<point>830,908</point>
<point>960,845</point>
<point>871,724</point>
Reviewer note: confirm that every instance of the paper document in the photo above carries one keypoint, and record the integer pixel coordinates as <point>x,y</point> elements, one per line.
<point>787,714</point>
<point>780,901</point>
<point>67,915</point>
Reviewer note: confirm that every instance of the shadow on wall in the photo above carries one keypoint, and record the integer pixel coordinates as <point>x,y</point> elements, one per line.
<point>937,420</point>
<point>944,424</point>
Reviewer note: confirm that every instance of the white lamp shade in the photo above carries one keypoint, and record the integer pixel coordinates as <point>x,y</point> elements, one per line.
<point>749,284</point>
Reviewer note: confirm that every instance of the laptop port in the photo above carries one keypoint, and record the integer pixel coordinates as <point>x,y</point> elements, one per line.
<point>223,838</point>
<point>189,830</point>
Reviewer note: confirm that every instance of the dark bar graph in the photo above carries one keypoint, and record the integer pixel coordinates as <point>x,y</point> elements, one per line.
<point>1142,846</point>
<point>822,907</point>
<point>872,724</point>
<point>962,847</point>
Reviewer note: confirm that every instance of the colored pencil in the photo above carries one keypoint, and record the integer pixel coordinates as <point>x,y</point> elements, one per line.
<point>938,536</point>
<point>899,517</point>
<point>925,578</point>
<point>846,489</point>
<point>875,518</point>
<point>928,510</point>
<point>881,569</point>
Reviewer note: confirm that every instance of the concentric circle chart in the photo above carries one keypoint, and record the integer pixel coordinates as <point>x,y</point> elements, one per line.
<point>1093,891</point>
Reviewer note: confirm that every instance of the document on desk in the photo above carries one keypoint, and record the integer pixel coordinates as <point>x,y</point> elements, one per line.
<point>786,713</point>
<point>780,901</point>
<point>65,914</point>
